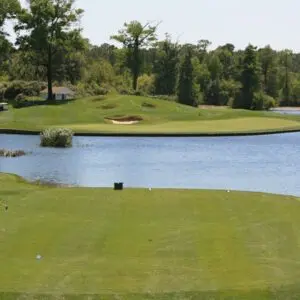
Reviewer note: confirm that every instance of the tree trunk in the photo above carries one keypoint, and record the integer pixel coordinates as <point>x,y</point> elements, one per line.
<point>266,80</point>
<point>135,80</point>
<point>49,74</point>
<point>136,65</point>
<point>287,87</point>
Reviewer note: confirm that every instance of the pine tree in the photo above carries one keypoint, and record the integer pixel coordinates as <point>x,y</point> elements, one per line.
<point>250,78</point>
<point>165,67</point>
<point>185,84</point>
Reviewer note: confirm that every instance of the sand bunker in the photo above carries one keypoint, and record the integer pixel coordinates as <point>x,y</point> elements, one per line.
<point>125,120</point>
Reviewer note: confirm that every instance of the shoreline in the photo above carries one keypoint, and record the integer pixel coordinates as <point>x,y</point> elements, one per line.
<point>78,187</point>
<point>187,134</point>
<point>285,108</point>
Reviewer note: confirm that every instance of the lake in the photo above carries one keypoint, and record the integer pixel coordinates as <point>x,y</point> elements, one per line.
<point>257,163</point>
<point>286,111</point>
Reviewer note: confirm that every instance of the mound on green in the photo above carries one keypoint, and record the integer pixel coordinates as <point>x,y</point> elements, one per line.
<point>141,244</point>
<point>92,115</point>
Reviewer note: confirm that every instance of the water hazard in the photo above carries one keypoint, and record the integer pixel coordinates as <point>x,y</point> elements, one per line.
<point>257,163</point>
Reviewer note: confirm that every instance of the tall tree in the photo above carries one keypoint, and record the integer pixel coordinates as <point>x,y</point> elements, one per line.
<point>202,78</point>
<point>165,67</point>
<point>8,9</point>
<point>250,78</point>
<point>226,56</point>
<point>134,36</point>
<point>269,68</point>
<point>6,50</point>
<point>202,48</point>
<point>215,68</point>
<point>47,28</point>
<point>104,51</point>
<point>186,80</point>
<point>286,63</point>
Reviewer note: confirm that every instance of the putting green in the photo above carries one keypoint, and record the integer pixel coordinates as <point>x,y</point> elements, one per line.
<point>238,125</point>
<point>90,115</point>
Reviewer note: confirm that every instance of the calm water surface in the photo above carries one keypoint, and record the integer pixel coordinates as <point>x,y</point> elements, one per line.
<point>258,163</point>
<point>286,111</point>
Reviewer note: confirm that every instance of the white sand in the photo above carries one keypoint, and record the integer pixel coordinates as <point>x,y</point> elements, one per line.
<point>124,122</point>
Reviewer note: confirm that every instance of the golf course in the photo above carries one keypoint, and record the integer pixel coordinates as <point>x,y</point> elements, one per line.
<point>96,243</point>
<point>149,150</point>
<point>77,243</point>
<point>95,115</point>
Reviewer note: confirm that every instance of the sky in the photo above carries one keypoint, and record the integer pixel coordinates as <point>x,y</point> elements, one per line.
<point>240,22</point>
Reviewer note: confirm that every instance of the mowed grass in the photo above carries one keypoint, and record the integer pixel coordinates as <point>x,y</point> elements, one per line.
<point>236,125</point>
<point>159,116</point>
<point>141,244</point>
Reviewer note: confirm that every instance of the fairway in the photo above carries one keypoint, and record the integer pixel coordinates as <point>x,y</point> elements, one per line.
<point>141,244</point>
<point>91,115</point>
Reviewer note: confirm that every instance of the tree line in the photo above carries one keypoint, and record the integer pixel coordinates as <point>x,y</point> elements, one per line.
<point>51,49</point>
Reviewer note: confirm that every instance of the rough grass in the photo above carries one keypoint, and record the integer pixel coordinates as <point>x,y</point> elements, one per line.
<point>167,117</point>
<point>141,244</point>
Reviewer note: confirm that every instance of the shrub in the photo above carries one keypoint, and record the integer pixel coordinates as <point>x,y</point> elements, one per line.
<point>92,89</point>
<point>101,90</point>
<point>19,101</point>
<point>262,101</point>
<point>138,93</point>
<point>171,98</point>
<point>14,88</point>
<point>125,90</point>
<point>269,102</point>
<point>11,153</point>
<point>33,88</point>
<point>3,87</point>
<point>57,137</point>
<point>231,102</point>
<point>146,84</point>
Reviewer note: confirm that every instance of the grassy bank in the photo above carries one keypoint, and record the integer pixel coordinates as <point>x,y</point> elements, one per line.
<point>90,115</point>
<point>141,244</point>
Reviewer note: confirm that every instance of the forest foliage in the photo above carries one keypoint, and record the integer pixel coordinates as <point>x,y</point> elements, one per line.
<point>50,49</point>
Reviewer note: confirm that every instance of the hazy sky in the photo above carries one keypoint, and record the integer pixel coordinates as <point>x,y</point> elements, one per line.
<point>261,22</point>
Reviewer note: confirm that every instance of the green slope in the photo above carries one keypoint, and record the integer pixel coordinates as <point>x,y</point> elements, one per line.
<point>159,116</point>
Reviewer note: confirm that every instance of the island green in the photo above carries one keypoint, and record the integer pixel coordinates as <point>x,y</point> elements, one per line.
<point>94,114</point>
